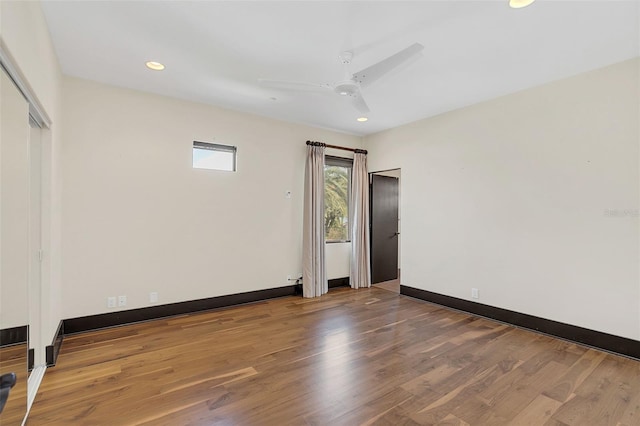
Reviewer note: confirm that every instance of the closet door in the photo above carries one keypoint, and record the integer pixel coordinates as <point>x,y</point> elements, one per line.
<point>14,250</point>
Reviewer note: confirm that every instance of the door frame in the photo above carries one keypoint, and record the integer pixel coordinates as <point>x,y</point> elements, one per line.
<point>392,173</point>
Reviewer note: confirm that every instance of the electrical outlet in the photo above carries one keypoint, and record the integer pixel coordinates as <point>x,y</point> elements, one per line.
<point>122,300</point>
<point>153,297</point>
<point>475,294</point>
<point>111,302</point>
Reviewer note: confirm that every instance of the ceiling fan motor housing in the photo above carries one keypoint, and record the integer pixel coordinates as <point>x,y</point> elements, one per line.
<point>347,88</point>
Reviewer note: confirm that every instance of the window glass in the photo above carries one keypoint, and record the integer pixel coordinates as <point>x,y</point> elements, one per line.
<point>214,156</point>
<point>337,188</point>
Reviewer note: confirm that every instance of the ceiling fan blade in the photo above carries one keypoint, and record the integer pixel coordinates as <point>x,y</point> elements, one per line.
<point>374,72</point>
<point>360,104</point>
<point>295,85</point>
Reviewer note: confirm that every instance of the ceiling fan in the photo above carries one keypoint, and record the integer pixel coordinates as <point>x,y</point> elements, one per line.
<point>352,84</point>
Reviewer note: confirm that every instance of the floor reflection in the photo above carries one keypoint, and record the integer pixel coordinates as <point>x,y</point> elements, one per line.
<point>13,359</point>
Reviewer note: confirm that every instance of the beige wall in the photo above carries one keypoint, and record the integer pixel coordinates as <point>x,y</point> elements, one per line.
<point>25,34</point>
<point>532,198</point>
<point>138,218</point>
<point>337,258</point>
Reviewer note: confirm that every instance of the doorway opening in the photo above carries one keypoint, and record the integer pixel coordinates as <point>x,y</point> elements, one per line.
<point>384,202</point>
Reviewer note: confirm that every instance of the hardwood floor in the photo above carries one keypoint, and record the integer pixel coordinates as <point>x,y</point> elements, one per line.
<point>392,285</point>
<point>13,359</point>
<point>351,357</point>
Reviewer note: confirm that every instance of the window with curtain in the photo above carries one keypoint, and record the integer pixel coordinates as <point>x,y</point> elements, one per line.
<point>337,196</point>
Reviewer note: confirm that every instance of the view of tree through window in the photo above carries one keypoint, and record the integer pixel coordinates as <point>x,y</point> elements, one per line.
<point>337,184</point>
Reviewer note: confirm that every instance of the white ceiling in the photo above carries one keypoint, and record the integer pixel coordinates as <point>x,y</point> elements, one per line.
<point>216,51</point>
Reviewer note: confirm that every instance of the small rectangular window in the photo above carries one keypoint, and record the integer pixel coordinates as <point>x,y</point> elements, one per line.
<point>337,196</point>
<point>214,156</point>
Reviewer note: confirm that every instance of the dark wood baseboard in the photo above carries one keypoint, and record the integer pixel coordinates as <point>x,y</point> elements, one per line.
<point>96,322</point>
<point>597,339</point>
<point>31,358</point>
<point>14,335</point>
<point>339,282</point>
<point>51,351</point>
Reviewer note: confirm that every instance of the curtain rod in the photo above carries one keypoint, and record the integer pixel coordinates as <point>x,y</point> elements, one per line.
<point>326,145</point>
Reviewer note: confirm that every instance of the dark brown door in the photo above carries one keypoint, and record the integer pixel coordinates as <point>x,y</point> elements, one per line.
<point>384,228</point>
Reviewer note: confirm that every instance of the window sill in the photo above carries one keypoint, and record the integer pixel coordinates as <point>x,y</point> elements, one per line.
<point>336,241</point>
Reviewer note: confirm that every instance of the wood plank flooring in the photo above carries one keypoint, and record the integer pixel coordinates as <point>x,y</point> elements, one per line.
<point>13,359</point>
<point>352,357</point>
<point>393,285</point>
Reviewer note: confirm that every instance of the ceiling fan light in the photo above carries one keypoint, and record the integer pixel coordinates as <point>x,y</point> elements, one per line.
<point>153,65</point>
<point>519,4</point>
<point>362,119</point>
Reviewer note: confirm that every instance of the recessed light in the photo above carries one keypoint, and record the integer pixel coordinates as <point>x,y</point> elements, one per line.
<point>362,119</point>
<point>519,4</point>
<point>156,66</point>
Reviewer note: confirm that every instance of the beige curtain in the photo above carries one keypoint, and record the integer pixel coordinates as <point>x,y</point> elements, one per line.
<point>314,277</point>
<point>359,273</point>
